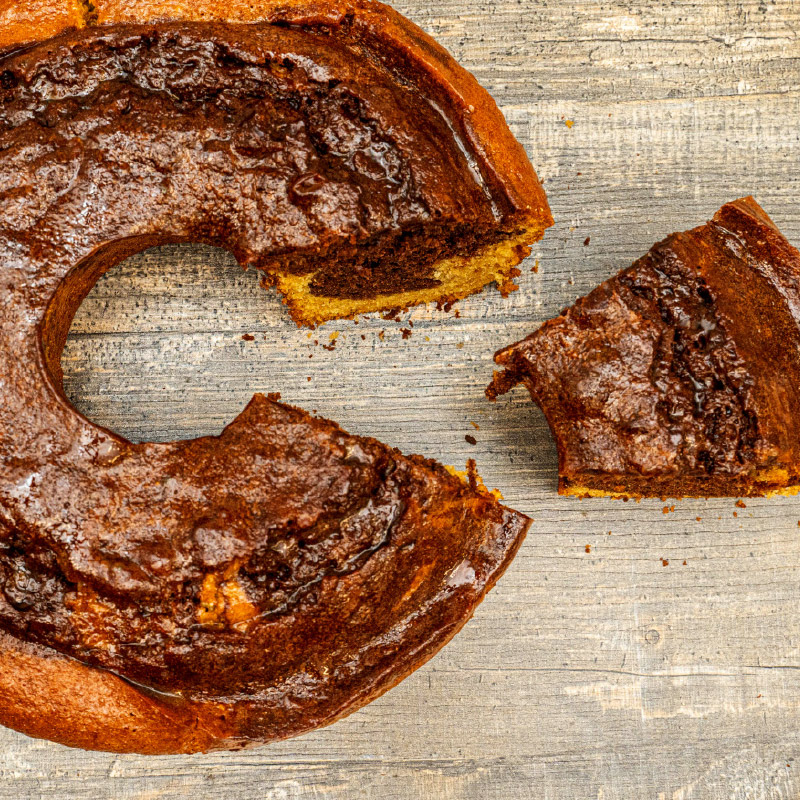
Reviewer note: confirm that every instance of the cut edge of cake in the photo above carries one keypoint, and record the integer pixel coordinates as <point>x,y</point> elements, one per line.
<point>458,277</point>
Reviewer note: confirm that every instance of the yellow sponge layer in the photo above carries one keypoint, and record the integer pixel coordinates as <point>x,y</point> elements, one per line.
<point>772,478</point>
<point>459,277</point>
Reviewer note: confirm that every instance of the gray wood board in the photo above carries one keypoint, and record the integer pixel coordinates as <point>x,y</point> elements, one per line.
<point>600,674</point>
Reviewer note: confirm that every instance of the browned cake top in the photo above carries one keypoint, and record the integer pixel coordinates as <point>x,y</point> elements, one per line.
<point>679,375</point>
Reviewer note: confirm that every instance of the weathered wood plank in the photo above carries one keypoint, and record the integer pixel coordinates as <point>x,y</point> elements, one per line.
<point>600,674</point>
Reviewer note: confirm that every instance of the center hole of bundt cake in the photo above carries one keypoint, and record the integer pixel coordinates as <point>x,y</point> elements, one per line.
<point>160,349</point>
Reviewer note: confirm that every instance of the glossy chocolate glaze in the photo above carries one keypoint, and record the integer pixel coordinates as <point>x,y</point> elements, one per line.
<point>286,571</point>
<point>681,375</point>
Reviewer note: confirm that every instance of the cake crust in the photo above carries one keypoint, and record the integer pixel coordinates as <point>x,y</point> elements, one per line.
<point>681,375</point>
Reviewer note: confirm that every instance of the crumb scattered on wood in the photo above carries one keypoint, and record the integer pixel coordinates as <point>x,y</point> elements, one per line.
<point>406,332</point>
<point>587,241</point>
<point>248,337</point>
<point>664,562</point>
<point>471,440</point>
<point>588,548</point>
<point>741,504</point>
<point>569,122</point>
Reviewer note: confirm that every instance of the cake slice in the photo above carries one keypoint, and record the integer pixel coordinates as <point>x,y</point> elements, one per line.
<point>680,376</point>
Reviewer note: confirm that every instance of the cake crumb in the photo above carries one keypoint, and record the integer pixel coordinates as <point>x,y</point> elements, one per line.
<point>475,425</point>
<point>471,440</point>
<point>588,548</point>
<point>472,474</point>
<point>587,241</point>
<point>685,564</point>
<point>741,504</point>
<point>569,122</point>
<point>700,519</point>
<point>736,515</point>
<point>668,510</point>
<point>427,338</point>
<point>664,562</point>
<point>535,268</point>
<point>309,379</point>
<point>248,337</point>
<point>381,335</point>
<point>363,337</point>
<point>406,332</point>
<point>446,305</point>
<point>460,346</point>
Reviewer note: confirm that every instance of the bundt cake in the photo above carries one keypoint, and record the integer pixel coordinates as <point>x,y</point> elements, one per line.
<point>164,598</point>
<point>681,375</point>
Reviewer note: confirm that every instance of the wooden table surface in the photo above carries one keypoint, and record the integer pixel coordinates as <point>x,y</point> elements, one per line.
<point>628,653</point>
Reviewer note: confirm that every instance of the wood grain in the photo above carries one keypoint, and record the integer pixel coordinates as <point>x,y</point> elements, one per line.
<point>601,674</point>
